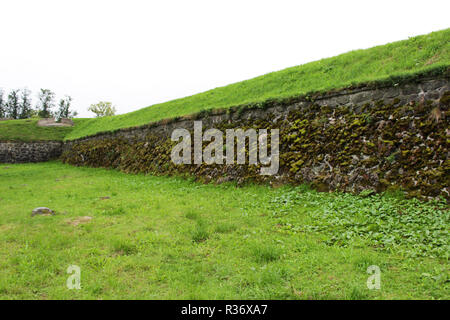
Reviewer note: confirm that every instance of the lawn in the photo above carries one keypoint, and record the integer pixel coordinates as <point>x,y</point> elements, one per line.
<point>382,63</point>
<point>28,130</point>
<point>171,238</point>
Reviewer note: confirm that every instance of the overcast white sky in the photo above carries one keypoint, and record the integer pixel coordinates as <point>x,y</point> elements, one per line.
<point>137,53</point>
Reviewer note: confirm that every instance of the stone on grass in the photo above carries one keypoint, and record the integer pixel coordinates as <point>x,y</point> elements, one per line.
<point>42,211</point>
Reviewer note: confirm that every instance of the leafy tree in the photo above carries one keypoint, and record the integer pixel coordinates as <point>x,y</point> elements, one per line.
<point>46,103</point>
<point>64,108</point>
<point>103,109</point>
<point>25,106</point>
<point>13,104</point>
<point>2,105</point>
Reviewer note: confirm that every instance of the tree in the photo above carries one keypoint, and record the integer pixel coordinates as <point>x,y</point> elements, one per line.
<point>103,109</point>
<point>64,108</point>
<point>13,104</point>
<point>46,103</point>
<point>25,106</point>
<point>2,105</point>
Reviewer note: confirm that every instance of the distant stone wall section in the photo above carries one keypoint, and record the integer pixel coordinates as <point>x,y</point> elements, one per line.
<point>22,152</point>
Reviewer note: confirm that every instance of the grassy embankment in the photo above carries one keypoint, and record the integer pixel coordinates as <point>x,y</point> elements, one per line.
<point>388,62</point>
<point>169,238</point>
<point>28,130</point>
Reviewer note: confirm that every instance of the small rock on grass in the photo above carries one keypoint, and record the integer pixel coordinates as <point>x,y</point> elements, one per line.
<point>42,211</point>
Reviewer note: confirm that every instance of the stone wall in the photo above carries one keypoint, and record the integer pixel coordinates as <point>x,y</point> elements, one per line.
<point>370,137</point>
<point>21,152</point>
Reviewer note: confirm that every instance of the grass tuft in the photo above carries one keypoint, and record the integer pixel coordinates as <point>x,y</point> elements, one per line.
<point>200,232</point>
<point>225,228</point>
<point>265,253</point>
<point>124,247</point>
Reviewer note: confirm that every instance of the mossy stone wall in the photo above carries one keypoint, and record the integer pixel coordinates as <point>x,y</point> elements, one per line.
<point>393,136</point>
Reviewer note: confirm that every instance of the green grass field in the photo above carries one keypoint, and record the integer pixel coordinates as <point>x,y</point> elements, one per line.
<point>27,130</point>
<point>398,59</point>
<point>170,238</point>
<point>150,237</point>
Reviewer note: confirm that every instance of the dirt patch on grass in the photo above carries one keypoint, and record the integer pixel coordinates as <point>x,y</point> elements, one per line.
<point>6,227</point>
<point>433,59</point>
<point>79,220</point>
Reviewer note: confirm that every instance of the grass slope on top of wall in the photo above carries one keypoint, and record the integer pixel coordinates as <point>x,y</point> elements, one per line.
<point>28,130</point>
<point>396,59</point>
